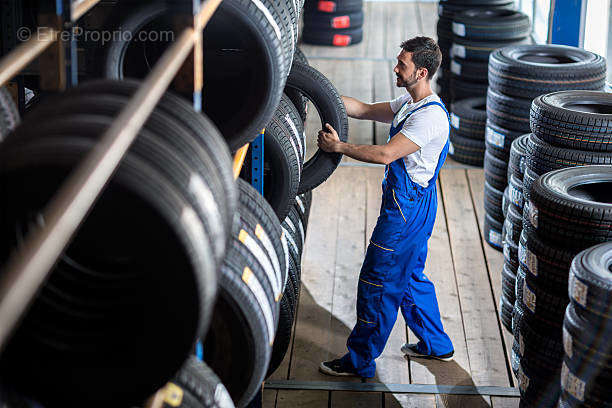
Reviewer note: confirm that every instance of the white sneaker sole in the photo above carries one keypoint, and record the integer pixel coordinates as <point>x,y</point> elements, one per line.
<point>411,353</point>
<point>326,370</point>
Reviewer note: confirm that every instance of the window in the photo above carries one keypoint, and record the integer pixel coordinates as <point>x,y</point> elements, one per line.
<point>598,30</point>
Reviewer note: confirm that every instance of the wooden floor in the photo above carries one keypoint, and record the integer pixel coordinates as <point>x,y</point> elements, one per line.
<point>465,270</point>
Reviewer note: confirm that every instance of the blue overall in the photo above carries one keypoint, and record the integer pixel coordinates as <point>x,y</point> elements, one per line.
<point>392,273</point>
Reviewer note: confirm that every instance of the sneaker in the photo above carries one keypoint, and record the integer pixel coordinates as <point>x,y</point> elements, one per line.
<point>411,350</point>
<point>337,368</point>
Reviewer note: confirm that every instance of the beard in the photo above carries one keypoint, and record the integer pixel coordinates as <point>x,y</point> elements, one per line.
<point>406,83</point>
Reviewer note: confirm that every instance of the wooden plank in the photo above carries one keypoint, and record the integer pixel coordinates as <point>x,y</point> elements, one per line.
<point>303,399</point>
<point>344,399</point>
<point>503,402</point>
<point>484,344</point>
<point>463,401</point>
<point>494,259</point>
<point>382,71</point>
<point>410,401</point>
<point>269,398</point>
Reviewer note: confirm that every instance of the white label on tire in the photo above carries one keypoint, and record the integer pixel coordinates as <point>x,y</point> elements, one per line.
<point>578,290</point>
<point>529,298</point>
<point>263,260</point>
<point>253,283</point>
<point>451,148</point>
<point>458,51</point>
<point>269,17</point>
<point>509,230</point>
<point>455,120</point>
<point>567,343</point>
<point>528,259</point>
<point>516,196</point>
<point>495,237</point>
<point>459,29</point>
<point>533,214</point>
<point>261,235</point>
<point>455,67</point>
<point>572,384</point>
<point>495,138</point>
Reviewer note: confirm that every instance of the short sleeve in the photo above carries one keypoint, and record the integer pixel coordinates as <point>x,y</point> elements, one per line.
<point>418,127</point>
<point>397,103</point>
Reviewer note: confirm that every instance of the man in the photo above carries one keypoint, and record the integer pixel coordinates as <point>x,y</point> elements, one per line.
<point>392,273</point>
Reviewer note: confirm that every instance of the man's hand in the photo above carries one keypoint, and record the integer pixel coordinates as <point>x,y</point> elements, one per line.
<point>328,140</point>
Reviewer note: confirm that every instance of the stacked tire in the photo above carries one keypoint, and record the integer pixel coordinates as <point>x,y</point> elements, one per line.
<point>336,23</point>
<point>517,75</point>
<point>103,302</point>
<point>566,211</point>
<point>9,115</point>
<point>587,364</point>
<point>444,29</point>
<point>468,120</point>
<point>476,33</point>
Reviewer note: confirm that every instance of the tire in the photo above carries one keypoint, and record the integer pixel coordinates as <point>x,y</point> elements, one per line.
<point>590,286</point>
<point>299,101</point>
<point>337,38</point>
<point>300,56</point>
<point>493,200</point>
<point>338,6</point>
<point>579,120</point>
<point>517,161</point>
<point>461,89</point>
<point>9,115</point>
<point>320,91</point>
<point>294,229</point>
<point>469,117</point>
<point>196,386</point>
<point>493,232</point>
<point>508,112</point>
<point>474,71</point>
<point>333,21</point>
<point>505,313</point>
<point>528,179</point>
<point>478,50</point>
<point>495,171</point>
<point>448,9</point>
<point>491,24</point>
<point>513,225</point>
<point>239,343</point>
<point>508,284</point>
<point>528,71</point>
<point>499,140</point>
<point>283,332</point>
<point>465,150</point>
<point>510,250</point>
<point>144,197</point>
<point>293,121</point>
<point>302,205</point>
<point>505,202</point>
<point>515,192</point>
<point>261,78</point>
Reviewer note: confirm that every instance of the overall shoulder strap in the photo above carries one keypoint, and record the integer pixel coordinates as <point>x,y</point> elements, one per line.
<point>430,104</point>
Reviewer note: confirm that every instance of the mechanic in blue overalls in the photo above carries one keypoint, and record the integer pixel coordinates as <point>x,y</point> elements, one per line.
<point>392,275</point>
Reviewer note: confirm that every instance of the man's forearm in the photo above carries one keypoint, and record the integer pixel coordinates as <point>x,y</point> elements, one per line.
<point>354,107</point>
<point>367,153</point>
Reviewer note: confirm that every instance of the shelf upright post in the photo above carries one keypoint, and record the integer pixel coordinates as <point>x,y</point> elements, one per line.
<point>566,22</point>
<point>257,163</point>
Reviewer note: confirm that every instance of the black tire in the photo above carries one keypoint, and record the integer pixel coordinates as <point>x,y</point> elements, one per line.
<point>296,97</point>
<point>493,200</point>
<point>510,250</point>
<point>528,71</point>
<point>333,21</point>
<point>499,140</point>
<point>506,308</point>
<point>302,206</point>
<point>283,332</point>
<point>515,192</point>
<point>466,150</point>
<point>300,56</point>
<point>196,386</point>
<point>513,225</point>
<point>461,89</point>
<point>320,91</point>
<point>517,161</point>
<point>259,74</point>
<point>478,50</point>
<point>474,71</point>
<point>9,115</point>
<point>330,6</point>
<point>505,202</point>
<point>493,232</point>
<point>294,123</point>
<point>239,343</point>
<point>528,179</point>
<point>574,119</point>
<point>491,24</point>
<point>137,195</point>
<point>508,112</point>
<point>572,206</point>
<point>508,284</point>
<point>590,285</point>
<point>448,8</point>
<point>495,171</point>
<point>295,233</point>
<point>337,38</point>
<point>469,117</point>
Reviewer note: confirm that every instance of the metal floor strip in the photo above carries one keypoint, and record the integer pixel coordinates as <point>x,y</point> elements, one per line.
<point>393,388</point>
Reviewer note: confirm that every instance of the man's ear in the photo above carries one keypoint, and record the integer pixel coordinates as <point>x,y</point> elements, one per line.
<point>423,72</point>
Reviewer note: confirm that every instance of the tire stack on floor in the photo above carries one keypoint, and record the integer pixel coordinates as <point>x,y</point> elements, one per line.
<point>148,252</point>
<point>468,120</point>
<point>337,23</point>
<point>586,373</point>
<point>566,211</point>
<point>9,115</point>
<point>444,29</point>
<point>476,33</point>
<point>517,74</point>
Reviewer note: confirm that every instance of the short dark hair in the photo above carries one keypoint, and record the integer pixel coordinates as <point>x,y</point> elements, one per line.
<point>425,54</point>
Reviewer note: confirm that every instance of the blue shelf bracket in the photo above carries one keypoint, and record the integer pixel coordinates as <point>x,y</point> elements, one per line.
<point>257,163</point>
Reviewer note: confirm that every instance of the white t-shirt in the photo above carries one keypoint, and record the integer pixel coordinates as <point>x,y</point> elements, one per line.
<point>428,128</point>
